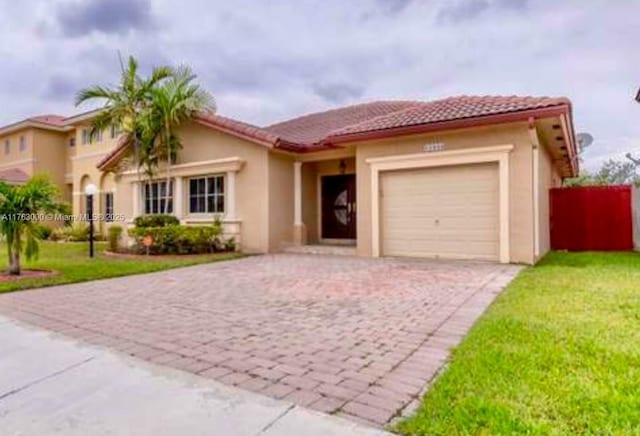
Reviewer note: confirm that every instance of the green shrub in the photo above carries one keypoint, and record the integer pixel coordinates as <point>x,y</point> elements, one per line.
<point>77,232</point>
<point>179,239</point>
<point>58,234</point>
<point>114,237</point>
<point>43,231</point>
<point>158,220</point>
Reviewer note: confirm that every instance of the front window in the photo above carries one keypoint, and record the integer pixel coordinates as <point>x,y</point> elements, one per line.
<point>23,143</point>
<point>156,197</point>
<point>85,136</point>
<point>206,194</point>
<point>96,136</point>
<point>7,147</point>
<point>108,206</point>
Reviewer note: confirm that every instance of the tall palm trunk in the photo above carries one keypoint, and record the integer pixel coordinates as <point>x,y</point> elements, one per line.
<point>14,248</point>
<point>140,193</point>
<point>169,163</point>
<point>9,250</point>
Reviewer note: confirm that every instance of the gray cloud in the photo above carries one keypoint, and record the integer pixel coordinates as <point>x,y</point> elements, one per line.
<point>394,6</point>
<point>268,61</point>
<point>339,92</point>
<point>61,87</point>
<point>464,10</point>
<point>105,16</point>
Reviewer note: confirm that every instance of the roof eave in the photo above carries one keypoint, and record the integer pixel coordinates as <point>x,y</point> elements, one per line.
<point>563,110</point>
<point>208,123</point>
<point>82,117</point>
<point>295,147</point>
<point>448,125</point>
<point>29,124</point>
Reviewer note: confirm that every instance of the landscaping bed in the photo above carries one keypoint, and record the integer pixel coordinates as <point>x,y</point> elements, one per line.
<point>72,264</point>
<point>27,274</point>
<point>557,353</point>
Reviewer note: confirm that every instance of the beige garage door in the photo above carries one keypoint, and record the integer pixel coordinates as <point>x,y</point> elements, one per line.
<point>448,212</point>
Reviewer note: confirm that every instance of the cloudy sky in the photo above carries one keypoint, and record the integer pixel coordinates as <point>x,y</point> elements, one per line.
<point>268,60</point>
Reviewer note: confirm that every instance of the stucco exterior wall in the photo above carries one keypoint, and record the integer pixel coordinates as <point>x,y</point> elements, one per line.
<point>310,208</point>
<point>548,178</point>
<point>205,146</point>
<point>22,160</point>
<point>280,201</point>
<point>520,178</point>
<point>49,155</point>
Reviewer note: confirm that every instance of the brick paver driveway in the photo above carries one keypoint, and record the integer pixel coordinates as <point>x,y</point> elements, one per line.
<point>356,337</point>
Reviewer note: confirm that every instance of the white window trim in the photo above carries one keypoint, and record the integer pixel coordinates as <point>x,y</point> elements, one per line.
<point>224,195</point>
<point>229,166</point>
<point>498,153</point>
<point>144,198</point>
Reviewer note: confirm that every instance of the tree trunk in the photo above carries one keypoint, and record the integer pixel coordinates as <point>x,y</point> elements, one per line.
<point>169,163</point>
<point>9,252</point>
<point>141,199</point>
<point>14,262</point>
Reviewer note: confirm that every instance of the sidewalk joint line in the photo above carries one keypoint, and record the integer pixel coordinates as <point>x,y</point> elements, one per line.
<point>46,377</point>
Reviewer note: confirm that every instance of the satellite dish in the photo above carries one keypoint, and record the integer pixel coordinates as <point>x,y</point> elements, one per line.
<point>584,140</point>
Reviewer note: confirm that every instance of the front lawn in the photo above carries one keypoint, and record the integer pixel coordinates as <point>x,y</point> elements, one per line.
<point>72,261</point>
<point>558,353</point>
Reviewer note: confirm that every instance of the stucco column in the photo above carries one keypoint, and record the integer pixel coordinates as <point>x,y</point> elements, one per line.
<point>135,198</point>
<point>178,199</point>
<point>231,195</point>
<point>299,229</point>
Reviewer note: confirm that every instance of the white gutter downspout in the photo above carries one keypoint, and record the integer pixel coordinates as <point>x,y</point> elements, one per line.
<point>535,180</point>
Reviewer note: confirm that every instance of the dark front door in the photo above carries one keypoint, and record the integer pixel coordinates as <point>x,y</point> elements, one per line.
<point>339,207</point>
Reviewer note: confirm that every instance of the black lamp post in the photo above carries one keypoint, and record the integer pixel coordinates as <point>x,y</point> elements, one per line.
<point>90,191</point>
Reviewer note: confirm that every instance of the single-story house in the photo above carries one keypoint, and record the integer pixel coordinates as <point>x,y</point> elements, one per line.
<point>463,177</point>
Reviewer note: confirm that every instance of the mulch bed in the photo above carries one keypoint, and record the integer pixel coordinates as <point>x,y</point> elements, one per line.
<point>28,274</point>
<point>159,257</point>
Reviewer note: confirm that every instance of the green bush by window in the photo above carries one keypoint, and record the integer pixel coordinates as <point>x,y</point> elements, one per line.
<point>157,220</point>
<point>181,239</point>
<point>114,237</point>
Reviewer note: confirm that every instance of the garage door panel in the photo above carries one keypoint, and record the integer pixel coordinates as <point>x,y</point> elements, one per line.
<point>441,212</point>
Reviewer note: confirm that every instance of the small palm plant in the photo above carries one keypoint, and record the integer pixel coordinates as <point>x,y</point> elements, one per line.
<point>174,102</point>
<point>124,107</point>
<point>20,206</point>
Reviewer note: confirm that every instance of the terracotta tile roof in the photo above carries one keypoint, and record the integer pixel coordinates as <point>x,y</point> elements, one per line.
<point>314,128</point>
<point>326,129</point>
<point>54,120</point>
<point>238,127</point>
<point>234,127</point>
<point>13,175</point>
<point>450,109</point>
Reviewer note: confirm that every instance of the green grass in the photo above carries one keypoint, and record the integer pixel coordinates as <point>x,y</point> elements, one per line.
<point>558,353</point>
<point>72,261</point>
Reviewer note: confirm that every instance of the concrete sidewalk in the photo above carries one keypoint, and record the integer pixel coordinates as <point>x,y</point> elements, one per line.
<point>52,385</point>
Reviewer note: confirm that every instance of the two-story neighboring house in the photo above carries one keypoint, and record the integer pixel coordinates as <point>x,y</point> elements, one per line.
<point>32,146</point>
<point>62,149</point>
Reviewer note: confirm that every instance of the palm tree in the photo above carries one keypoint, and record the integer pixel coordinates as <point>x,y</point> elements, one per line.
<point>18,206</point>
<point>174,102</point>
<point>125,106</point>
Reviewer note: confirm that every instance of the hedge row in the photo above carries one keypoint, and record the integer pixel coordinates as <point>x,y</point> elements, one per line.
<point>180,239</point>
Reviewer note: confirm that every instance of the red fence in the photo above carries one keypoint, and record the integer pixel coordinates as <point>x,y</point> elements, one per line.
<point>591,218</point>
